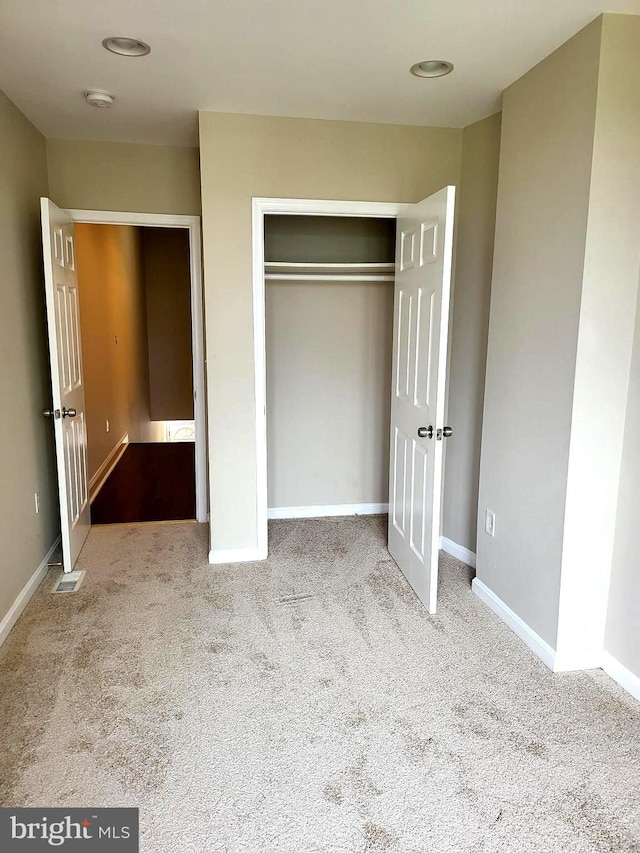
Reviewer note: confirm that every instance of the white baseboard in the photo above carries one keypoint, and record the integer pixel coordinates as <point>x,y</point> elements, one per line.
<point>537,645</point>
<point>458,551</point>
<point>558,660</point>
<point>11,617</point>
<point>236,555</point>
<point>625,678</point>
<point>561,660</point>
<point>326,511</point>
<point>571,660</point>
<point>100,477</point>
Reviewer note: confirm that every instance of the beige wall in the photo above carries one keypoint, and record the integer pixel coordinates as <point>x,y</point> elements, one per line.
<point>245,156</point>
<point>605,340</point>
<point>543,199</point>
<point>561,335</point>
<point>619,189</point>
<point>328,400</point>
<point>26,438</point>
<point>471,296</point>
<point>124,176</point>
<point>622,638</point>
<point>114,336</point>
<point>165,254</point>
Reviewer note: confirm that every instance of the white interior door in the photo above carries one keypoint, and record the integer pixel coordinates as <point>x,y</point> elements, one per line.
<point>424,249</point>
<point>67,410</point>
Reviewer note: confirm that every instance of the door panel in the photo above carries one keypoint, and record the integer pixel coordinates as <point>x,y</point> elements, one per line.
<point>423,277</point>
<point>65,350</point>
<point>405,312</point>
<point>424,340</point>
<point>399,482</point>
<point>419,482</point>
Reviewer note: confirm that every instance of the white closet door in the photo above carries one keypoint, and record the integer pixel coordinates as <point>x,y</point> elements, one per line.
<point>424,246</point>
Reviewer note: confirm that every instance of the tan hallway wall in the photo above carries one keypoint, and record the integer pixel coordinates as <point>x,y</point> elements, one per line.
<point>113,325</point>
<point>26,438</point>
<point>165,253</point>
<point>470,327</point>
<point>244,156</point>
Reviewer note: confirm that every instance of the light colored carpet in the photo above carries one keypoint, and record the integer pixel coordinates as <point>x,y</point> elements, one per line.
<point>306,705</point>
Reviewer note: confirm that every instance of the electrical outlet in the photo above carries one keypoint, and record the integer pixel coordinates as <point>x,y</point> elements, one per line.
<point>106,425</point>
<point>37,503</point>
<point>490,523</point>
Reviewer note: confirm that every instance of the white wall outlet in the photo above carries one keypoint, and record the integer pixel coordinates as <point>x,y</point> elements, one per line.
<point>37,503</point>
<point>106,426</point>
<point>490,522</point>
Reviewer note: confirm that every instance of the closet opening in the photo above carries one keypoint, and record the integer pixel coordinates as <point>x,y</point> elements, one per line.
<point>329,303</point>
<point>350,348</point>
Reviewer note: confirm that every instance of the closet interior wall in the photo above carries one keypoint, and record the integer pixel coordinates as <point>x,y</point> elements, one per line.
<point>329,329</point>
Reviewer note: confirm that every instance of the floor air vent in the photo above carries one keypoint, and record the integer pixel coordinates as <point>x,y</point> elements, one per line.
<point>69,582</point>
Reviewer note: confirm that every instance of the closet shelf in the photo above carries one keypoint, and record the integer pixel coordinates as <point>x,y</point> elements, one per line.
<point>328,272</point>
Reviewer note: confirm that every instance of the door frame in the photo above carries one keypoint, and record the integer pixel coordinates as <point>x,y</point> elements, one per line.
<point>192,225</point>
<point>262,207</point>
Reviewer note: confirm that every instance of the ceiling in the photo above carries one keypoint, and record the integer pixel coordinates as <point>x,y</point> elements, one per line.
<point>333,59</point>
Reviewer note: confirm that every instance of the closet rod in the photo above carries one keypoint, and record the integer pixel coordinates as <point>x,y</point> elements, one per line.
<point>307,277</point>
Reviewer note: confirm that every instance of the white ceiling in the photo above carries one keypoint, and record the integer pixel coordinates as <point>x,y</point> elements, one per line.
<point>336,59</point>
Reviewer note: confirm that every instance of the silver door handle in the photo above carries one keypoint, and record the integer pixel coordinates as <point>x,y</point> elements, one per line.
<point>68,413</point>
<point>51,413</point>
<point>425,432</point>
<point>445,432</point>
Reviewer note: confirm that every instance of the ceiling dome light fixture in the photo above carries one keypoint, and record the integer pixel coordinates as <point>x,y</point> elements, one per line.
<point>99,98</point>
<point>432,68</point>
<point>124,46</point>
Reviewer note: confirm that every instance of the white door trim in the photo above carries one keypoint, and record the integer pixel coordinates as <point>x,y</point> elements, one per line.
<point>299,207</point>
<point>192,224</point>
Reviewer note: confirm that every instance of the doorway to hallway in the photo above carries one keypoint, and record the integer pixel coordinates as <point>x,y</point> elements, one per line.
<point>137,354</point>
<point>126,343</point>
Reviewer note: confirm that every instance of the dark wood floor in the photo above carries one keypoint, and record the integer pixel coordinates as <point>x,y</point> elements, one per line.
<point>151,482</point>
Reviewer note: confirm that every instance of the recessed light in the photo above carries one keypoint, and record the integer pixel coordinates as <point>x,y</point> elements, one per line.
<point>99,98</point>
<point>432,68</point>
<point>126,46</point>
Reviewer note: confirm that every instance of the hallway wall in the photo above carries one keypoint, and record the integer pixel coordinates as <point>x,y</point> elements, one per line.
<point>113,324</point>
<point>167,275</point>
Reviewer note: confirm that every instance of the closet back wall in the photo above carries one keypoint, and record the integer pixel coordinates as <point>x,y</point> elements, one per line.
<point>328,381</point>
